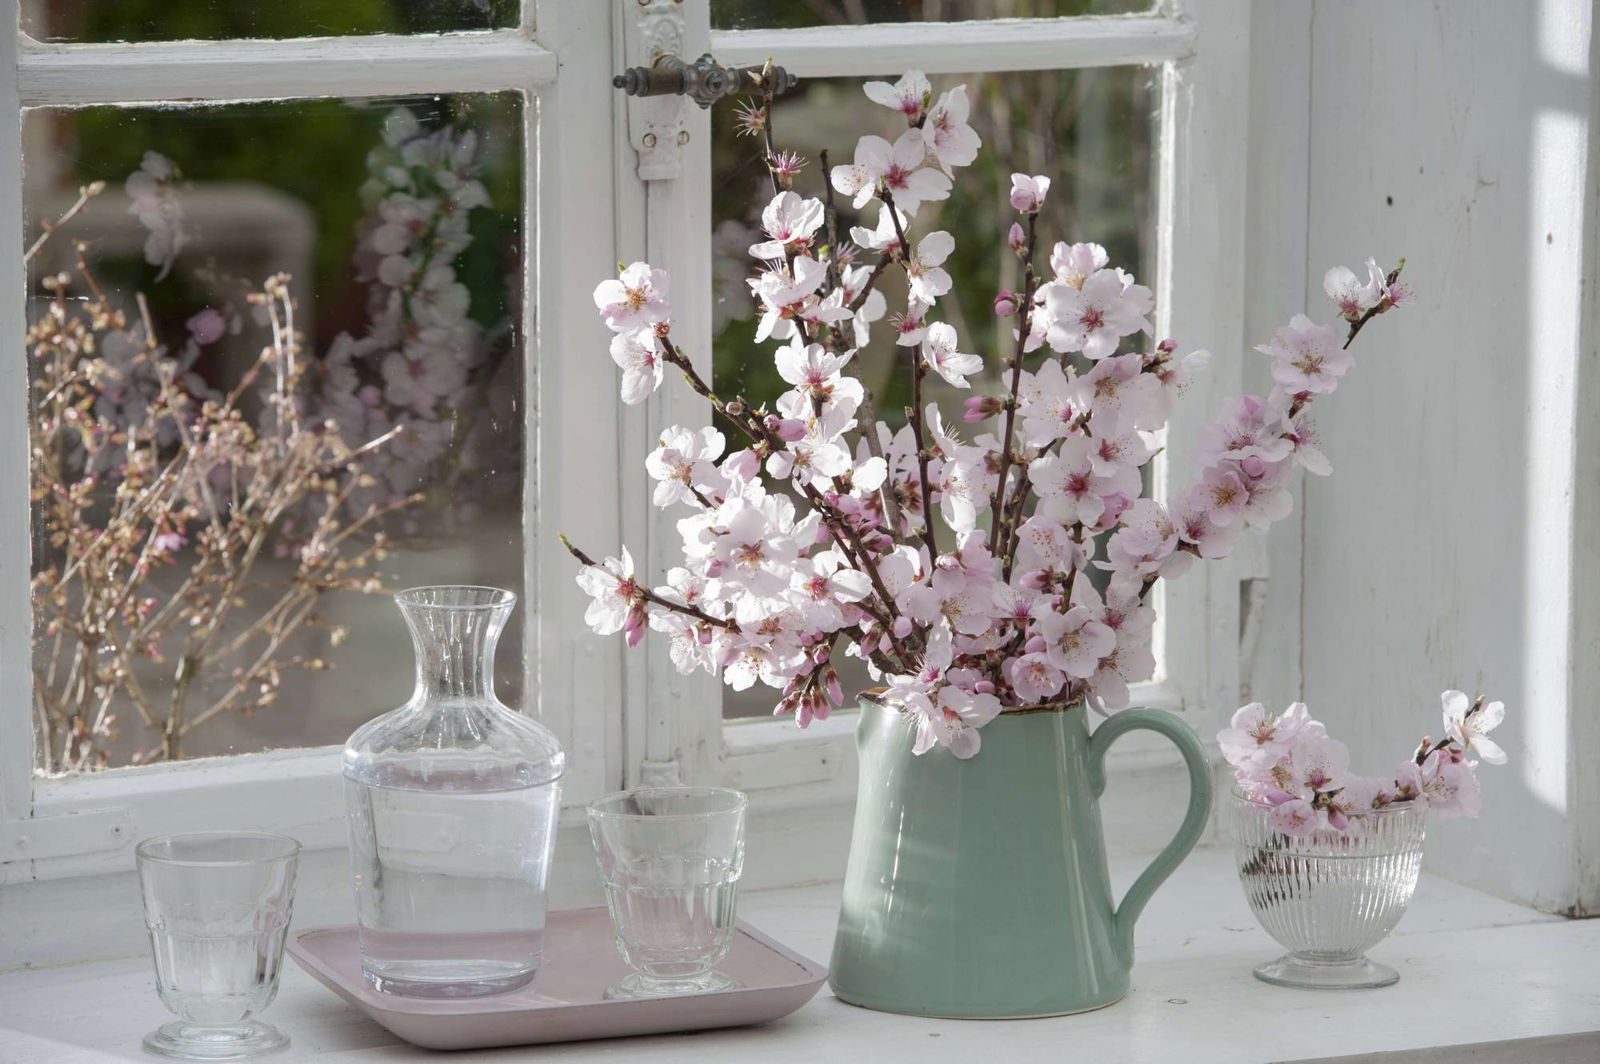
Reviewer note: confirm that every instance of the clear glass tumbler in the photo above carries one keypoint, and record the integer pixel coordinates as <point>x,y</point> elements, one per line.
<point>217,905</point>
<point>671,859</point>
<point>1329,897</point>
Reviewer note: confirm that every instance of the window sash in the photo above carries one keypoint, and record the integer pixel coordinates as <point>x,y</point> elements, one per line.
<point>1199,286</point>
<point>51,828</point>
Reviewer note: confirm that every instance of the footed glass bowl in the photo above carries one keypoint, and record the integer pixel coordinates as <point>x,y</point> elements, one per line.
<point>1329,897</point>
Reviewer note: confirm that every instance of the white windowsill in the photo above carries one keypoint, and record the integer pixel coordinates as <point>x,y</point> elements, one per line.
<point>1474,970</point>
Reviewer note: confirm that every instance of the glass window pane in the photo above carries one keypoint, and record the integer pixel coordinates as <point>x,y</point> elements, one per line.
<point>99,21</point>
<point>1092,131</point>
<point>798,14</point>
<point>204,550</point>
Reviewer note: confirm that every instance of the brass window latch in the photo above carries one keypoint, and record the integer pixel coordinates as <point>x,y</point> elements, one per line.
<point>705,81</point>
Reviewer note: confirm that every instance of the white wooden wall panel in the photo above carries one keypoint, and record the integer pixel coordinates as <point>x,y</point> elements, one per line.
<point>1280,139</point>
<point>1441,552</point>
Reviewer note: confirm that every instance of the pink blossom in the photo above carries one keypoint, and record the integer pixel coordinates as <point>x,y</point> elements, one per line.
<point>1034,678</point>
<point>1450,785</point>
<point>939,351</point>
<point>1028,193</point>
<point>613,590</point>
<point>926,279</point>
<point>895,169</point>
<point>1094,318</point>
<point>1068,489</point>
<point>1307,357</point>
<point>790,222</point>
<point>883,238</point>
<point>1295,818</point>
<point>950,140</point>
<point>908,96</point>
<point>637,297</point>
<point>1350,295</point>
<point>1470,727</point>
<point>1073,264</point>
<point>1074,641</point>
<point>684,460</point>
<point>638,354</point>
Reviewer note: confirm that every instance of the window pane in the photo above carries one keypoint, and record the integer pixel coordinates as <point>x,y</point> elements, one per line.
<point>222,565</point>
<point>1092,131</point>
<point>96,21</point>
<point>797,14</point>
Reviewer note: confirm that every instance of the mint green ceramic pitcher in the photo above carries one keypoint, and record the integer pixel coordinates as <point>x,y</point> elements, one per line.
<point>979,888</point>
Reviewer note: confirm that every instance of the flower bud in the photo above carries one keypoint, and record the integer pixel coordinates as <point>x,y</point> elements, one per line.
<point>1036,645</point>
<point>1116,503</point>
<point>1035,579</point>
<point>1005,303</point>
<point>1167,346</point>
<point>635,624</point>
<point>830,680</point>
<point>703,634</point>
<point>982,408</point>
<point>983,687</point>
<point>787,429</point>
<point>1016,239</point>
<point>1253,466</point>
<point>902,627</point>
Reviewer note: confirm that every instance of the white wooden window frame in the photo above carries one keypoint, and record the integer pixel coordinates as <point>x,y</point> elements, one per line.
<point>71,826</point>
<point>623,717</point>
<point>675,728</point>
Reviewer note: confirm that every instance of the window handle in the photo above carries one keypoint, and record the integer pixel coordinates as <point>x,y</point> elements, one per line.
<point>705,81</point>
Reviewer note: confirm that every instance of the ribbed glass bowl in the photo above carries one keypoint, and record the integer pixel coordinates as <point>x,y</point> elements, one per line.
<point>1329,897</point>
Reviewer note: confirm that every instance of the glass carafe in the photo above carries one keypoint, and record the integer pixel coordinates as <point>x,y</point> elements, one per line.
<point>452,803</point>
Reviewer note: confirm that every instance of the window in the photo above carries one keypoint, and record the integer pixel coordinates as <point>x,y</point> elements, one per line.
<point>237,140</point>
<point>580,180</point>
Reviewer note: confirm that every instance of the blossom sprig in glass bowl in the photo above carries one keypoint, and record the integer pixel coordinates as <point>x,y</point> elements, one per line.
<point>972,575</point>
<point>1329,859</point>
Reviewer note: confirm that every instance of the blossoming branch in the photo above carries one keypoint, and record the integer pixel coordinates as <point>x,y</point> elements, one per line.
<point>958,569</point>
<point>1290,763</point>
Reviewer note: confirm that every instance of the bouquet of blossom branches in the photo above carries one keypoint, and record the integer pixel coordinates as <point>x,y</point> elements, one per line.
<point>1289,763</point>
<point>958,569</point>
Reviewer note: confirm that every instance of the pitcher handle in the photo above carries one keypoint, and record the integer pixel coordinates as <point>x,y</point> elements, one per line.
<point>1194,821</point>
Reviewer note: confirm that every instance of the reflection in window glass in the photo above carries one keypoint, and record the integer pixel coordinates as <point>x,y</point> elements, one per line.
<point>209,555</point>
<point>798,14</point>
<point>98,21</point>
<point>1092,131</point>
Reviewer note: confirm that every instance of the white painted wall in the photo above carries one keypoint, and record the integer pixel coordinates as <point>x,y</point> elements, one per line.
<point>1456,543</point>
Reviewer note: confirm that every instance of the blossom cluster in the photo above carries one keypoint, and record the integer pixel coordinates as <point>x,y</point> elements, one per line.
<point>423,364</point>
<point>1008,569</point>
<point>1290,763</point>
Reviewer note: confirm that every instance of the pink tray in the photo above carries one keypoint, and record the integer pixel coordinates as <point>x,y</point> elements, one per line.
<point>564,1003</point>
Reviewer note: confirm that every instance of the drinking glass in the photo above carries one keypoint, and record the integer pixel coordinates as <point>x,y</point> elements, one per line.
<point>671,859</point>
<point>1331,896</point>
<point>217,905</point>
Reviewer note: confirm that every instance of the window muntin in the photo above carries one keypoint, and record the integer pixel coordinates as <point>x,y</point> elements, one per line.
<point>801,14</point>
<point>399,241</point>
